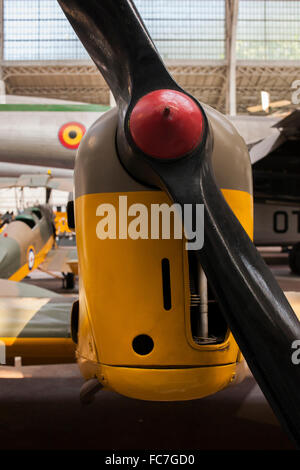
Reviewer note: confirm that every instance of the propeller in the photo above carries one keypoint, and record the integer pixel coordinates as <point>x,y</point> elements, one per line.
<point>164,139</point>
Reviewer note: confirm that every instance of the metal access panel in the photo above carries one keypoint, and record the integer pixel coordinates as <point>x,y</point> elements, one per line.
<point>277,225</point>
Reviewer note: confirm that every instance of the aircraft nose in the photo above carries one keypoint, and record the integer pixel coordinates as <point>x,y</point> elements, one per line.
<point>3,252</point>
<point>10,256</point>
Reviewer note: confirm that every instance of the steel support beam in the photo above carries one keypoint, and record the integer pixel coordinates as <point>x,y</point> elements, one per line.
<point>2,82</point>
<point>232,8</point>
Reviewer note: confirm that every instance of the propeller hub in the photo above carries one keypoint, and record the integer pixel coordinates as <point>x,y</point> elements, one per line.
<point>166,124</point>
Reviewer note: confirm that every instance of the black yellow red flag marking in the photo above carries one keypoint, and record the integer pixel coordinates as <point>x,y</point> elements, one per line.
<point>70,134</point>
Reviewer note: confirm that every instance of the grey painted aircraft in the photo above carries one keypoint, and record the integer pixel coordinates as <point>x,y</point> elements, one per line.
<point>44,135</point>
<point>276,177</point>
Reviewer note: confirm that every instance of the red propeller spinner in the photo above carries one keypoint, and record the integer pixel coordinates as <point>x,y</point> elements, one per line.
<point>166,124</point>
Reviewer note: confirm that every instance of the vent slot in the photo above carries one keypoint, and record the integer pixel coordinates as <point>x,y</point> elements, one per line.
<point>166,283</point>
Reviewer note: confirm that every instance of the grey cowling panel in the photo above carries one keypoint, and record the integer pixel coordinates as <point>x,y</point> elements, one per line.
<point>97,167</point>
<point>99,170</point>
<point>10,257</point>
<point>230,157</point>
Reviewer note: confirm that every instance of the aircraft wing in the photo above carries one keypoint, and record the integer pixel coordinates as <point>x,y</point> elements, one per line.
<point>34,324</point>
<point>63,259</point>
<point>37,181</point>
<point>261,149</point>
<point>284,128</point>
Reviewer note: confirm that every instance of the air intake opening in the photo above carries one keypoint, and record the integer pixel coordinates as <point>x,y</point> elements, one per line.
<point>142,344</point>
<point>207,322</point>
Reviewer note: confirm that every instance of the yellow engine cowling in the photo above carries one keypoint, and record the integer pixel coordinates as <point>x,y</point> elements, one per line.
<point>129,338</point>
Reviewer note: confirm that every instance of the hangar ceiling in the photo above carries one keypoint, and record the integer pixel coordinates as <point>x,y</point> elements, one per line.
<point>207,82</point>
<point>232,50</point>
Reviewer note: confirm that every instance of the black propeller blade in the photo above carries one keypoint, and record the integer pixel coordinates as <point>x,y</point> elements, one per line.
<point>148,99</point>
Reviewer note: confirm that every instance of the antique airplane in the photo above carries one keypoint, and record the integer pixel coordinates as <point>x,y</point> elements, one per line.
<point>141,321</point>
<point>28,241</point>
<point>25,242</point>
<point>155,321</point>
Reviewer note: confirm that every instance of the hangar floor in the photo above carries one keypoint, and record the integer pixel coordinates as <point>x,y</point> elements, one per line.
<point>40,409</point>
